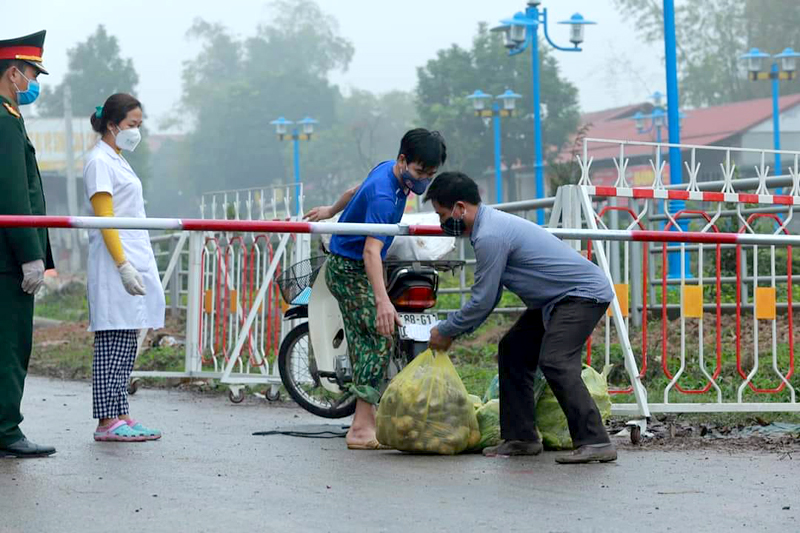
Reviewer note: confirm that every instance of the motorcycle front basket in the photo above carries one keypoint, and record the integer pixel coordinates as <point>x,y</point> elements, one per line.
<point>299,277</point>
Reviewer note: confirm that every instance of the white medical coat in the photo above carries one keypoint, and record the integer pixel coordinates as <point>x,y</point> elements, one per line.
<point>110,305</point>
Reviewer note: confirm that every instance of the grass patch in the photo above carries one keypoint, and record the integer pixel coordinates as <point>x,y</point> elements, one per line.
<point>161,359</point>
<point>65,351</point>
<point>68,305</point>
<point>475,355</point>
<point>453,301</point>
<point>476,378</point>
<point>475,358</point>
<point>64,361</point>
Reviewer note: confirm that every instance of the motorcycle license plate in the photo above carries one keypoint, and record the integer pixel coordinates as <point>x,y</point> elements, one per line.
<point>417,327</point>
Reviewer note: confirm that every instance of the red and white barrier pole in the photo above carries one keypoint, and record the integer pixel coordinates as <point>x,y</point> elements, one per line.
<point>267,226</point>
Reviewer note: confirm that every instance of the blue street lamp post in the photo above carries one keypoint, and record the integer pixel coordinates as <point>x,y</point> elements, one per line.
<point>282,129</point>
<point>479,100</point>
<point>521,31</point>
<point>673,101</point>
<point>657,120</point>
<point>786,71</point>
<point>673,119</point>
<point>498,158</point>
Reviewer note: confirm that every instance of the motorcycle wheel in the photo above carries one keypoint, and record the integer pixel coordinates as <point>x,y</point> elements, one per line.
<point>298,371</point>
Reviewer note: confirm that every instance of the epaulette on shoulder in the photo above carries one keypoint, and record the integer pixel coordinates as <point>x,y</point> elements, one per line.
<point>11,110</point>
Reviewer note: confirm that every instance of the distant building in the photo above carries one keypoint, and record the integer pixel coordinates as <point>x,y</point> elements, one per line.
<point>48,136</point>
<point>745,124</point>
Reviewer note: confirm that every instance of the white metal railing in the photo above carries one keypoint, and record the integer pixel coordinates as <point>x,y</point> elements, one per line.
<point>690,315</point>
<point>222,283</point>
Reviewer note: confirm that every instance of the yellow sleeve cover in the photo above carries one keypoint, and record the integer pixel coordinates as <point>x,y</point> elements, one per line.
<point>103,206</point>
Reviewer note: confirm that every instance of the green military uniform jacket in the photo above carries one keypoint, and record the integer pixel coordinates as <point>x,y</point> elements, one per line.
<point>20,194</point>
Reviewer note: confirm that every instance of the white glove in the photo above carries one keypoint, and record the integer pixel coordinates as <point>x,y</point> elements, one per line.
<point>33,276</point>
<point>131,279</point>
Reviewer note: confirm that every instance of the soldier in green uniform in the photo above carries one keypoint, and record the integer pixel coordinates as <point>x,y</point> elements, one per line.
<point>24,252</point>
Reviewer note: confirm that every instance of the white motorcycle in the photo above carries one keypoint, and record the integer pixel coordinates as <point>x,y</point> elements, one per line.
<point>314,361</point>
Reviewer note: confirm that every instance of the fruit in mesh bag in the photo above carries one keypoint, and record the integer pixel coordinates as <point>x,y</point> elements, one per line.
<point>427,410</point>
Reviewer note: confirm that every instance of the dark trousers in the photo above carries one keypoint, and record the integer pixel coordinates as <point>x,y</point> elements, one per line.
<point>16,339</point>
<point>557,351</point>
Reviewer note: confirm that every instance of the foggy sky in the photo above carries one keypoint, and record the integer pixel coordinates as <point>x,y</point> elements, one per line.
<point>391,39</point>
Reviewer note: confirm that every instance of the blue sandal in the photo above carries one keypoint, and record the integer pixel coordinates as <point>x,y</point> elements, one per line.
<point>119,431</point>
<point>147,433</point>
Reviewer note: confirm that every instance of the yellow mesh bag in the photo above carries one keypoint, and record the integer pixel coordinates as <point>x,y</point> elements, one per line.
<point>426,409</point>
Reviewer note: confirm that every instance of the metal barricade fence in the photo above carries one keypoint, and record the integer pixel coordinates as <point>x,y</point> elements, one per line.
<point>232,271</point>
<point>698,339</point>
<point>729,380</point>
<point>215,283</point>
<point>165,247</point>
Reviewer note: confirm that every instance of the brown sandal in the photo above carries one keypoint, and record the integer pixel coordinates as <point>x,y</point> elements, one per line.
<point>371,445</point>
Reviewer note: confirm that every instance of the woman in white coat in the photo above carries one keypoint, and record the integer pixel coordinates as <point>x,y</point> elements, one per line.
<point>124,288</point>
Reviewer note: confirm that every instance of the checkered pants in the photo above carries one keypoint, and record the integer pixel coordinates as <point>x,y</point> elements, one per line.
<point>114,354</point>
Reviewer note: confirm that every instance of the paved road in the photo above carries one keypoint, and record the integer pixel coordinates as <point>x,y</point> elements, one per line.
<point>210,474</point>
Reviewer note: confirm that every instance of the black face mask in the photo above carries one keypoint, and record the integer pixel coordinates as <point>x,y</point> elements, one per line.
<point>455,227</point>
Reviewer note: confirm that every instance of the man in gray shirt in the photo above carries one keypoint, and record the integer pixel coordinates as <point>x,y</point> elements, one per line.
<point>566,295</point>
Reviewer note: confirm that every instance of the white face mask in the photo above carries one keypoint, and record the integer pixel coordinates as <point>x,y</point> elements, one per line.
<point>128,139</point>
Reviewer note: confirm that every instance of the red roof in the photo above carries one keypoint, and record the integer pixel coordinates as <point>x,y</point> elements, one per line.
<point>704,126</point>
<point>596,117</point>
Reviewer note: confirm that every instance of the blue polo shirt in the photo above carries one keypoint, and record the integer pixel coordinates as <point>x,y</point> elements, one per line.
<point>379,200</point>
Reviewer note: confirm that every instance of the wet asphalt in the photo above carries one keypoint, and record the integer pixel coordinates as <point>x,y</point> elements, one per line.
<point>209,473</point>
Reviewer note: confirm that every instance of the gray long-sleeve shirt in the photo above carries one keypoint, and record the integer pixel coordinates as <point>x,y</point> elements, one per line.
<point>529,261</point>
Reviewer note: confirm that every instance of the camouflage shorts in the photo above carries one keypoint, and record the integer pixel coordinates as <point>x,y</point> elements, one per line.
<point>369,350</point>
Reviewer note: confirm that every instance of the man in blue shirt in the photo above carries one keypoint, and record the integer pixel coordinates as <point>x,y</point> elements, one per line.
<point>566,295</point>
<point>354,270</point>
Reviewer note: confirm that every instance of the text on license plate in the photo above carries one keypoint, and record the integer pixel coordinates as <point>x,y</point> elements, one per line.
<point>419,320</point>
<point>417,326</point>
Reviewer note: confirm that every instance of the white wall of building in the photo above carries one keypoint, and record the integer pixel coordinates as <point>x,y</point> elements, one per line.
<point>48,136</point>
<point>760,137</point>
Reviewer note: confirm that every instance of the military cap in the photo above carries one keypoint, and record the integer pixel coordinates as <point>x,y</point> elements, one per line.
<point>29,49</point>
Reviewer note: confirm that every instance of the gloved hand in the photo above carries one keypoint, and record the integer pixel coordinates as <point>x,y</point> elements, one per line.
<point>131,279</point>
<point>33,276</point>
